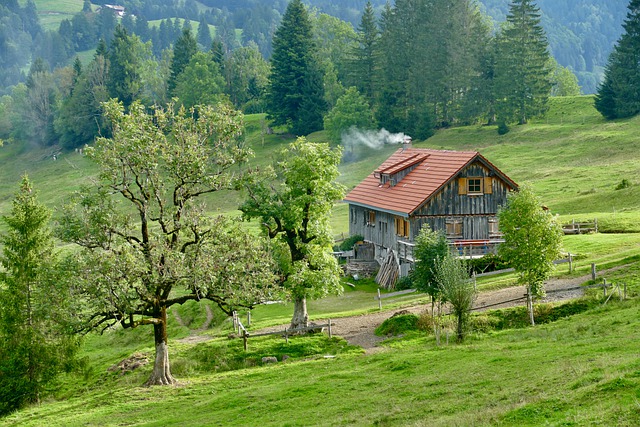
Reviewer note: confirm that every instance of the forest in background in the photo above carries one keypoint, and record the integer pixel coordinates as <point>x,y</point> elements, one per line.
<point>581,33</point>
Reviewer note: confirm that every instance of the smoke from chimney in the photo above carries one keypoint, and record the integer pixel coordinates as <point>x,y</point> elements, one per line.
<point>356,141</point>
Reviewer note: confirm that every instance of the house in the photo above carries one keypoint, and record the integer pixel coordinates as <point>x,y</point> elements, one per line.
<point>455,191</point>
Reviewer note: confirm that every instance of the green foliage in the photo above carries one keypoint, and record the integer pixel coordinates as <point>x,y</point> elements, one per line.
<point>522,76</point>
<point>430,247</point>
<point>457,289</point>
<point>563,82</point>
<point>34,346</point>
<point>398,324</point>
<point>487,263</point>
<point>132,268</point>
<point>293,212</point>
<point>618,95</point>
<point>351,110</point>
<point>123,78</point>
<point>623,184</point>
<point>183,51</point>
<point>348,243</point>
<point>200,82</point>
<point>533,239</point>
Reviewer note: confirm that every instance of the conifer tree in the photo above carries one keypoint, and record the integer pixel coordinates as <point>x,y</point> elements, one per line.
<point>32,349</point>
<point>522,75</point>
<point>619,94</point>
<point>295,81</point>
<point>204,34</point>
<point>184,49</point>
<point>123,81</point>
<point>363,64</point>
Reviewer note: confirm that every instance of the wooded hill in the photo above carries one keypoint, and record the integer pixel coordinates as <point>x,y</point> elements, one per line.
<point>581,34</point>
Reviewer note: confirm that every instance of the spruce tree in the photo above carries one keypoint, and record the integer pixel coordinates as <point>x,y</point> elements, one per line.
<point>619,94</point>
<point>204,34</point>
<point>363,64</point>
<point>32,350</point>
<point>184,49</point>
<point>295,74</point>
<point>523,77</point>
<point>123,81</point>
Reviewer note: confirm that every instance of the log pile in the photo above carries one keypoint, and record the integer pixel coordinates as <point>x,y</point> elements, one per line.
<point>389,271</point>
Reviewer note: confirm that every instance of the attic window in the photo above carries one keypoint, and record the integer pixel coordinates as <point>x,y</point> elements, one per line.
<point>394,173</point>
<point>474,185</point>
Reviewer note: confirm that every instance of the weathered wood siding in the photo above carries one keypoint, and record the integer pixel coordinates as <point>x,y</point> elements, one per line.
<point>473,210</point>
<point>382,232</point>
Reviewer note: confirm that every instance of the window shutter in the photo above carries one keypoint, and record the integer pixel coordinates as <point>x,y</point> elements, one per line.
<point>488,185</point>
<point>462,186</point>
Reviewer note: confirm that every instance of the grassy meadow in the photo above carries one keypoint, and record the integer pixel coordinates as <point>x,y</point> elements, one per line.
<point>53,12</point>
<point>581,370</point>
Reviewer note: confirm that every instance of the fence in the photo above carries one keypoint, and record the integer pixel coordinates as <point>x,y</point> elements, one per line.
<point>581,227</point>
<point>242,332</point>
<point>380,297</point>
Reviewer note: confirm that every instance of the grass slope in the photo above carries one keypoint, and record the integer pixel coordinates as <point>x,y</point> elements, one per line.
<point>53,12</point>
<point>578,371</point>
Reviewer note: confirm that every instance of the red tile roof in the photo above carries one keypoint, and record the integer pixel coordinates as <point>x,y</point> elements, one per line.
<point>435,168</point>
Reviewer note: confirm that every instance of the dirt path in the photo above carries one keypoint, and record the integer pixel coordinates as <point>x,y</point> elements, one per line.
<point>359,330</point>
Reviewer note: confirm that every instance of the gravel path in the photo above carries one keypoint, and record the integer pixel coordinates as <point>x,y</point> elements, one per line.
<point>359,330</point>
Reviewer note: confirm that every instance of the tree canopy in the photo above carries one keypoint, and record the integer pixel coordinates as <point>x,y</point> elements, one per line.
<point>293,201</point>
<point>161,248</point>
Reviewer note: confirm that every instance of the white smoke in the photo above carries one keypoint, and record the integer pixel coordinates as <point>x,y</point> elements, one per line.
<point>354,140</point>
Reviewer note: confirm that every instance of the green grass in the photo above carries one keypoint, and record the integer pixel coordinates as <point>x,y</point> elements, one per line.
<point>52,12</point>
<point>578,371</point>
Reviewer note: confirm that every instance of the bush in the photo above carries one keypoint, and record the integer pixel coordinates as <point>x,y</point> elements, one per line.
<point>398,324</point>
<point>623,184</point>
<point>489,262</point>
<point>404,283</point>
<point>348,243</point>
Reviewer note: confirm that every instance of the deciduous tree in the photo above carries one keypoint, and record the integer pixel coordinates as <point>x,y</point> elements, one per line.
<point>533,240</point>
<point>456,289</point>
<point>161,247</point>
<point>351,110</point>
<point>293,201</point>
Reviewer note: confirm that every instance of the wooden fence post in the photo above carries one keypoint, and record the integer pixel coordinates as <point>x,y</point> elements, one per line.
<point>593,271</point>
<point>329,328</point>
<point>249,318</point>
<point>604,286</point>
<point>235,320</point>
<point>244,338</point>
<point>570,263</point>
<point>379,300</point>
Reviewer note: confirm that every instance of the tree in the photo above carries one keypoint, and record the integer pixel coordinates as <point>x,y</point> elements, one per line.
<point>184,49</point>
<point>363,64</point>
<point>200,82</point>
<point>134,267</point>
<point>204,34</point>
<point>123,80</point>
<point>430,247</point>
<point>522,74</point>
<point>33,347</point>
<point>455,287</point>
<point>293,201</point>
<point>619,94</point>
<point>533,241</point>
<point>248,78</point>
<point>351,110</point>
<point>295,79</point>
<point>563,81</point>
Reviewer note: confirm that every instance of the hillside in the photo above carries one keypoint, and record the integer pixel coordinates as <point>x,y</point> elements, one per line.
<point>581,370</point>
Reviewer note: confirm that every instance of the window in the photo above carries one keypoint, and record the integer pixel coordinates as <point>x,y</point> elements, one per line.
<point>454,228</point>
<point>371,218</point>
<point>474,185</point>
<point>494,231</point>
<point>402,227</point>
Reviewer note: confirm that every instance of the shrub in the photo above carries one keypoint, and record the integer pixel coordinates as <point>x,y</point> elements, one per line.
<point>489,262</point>
<point>404,283</point>
<point>348,243</point>
<point>398,324</point>
<point>623,184</point>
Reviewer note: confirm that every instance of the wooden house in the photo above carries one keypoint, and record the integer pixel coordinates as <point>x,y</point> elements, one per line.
<point>455,191</point>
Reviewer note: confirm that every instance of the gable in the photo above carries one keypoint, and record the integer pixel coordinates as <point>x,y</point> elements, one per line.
<point>410,177</point>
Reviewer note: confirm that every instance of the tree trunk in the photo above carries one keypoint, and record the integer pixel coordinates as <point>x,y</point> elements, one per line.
<point>530,306</point>
<point>460,328</point>
<point>161,374</point>
<point>300,317</point>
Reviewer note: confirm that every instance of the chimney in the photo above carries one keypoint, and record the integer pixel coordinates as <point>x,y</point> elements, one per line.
<point>406,142</point>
